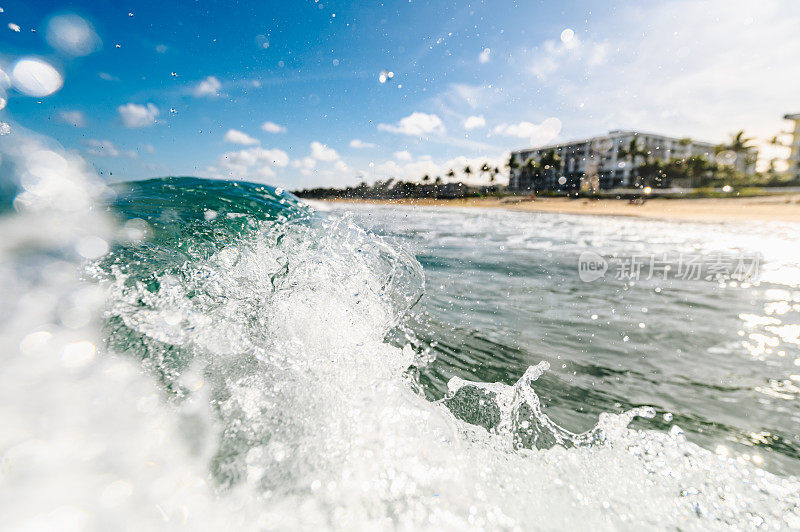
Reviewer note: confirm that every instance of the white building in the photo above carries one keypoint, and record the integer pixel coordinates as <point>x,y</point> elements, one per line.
<point>602,159</point>
<point>794,157</point>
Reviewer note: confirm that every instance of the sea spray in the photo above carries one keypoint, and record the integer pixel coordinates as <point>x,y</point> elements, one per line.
<point>287,323</point>
<point>515,414</point>
<point>86,442</point>
<point>272,400</point>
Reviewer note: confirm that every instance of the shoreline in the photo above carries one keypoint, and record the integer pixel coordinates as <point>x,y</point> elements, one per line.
<point>782,208</point>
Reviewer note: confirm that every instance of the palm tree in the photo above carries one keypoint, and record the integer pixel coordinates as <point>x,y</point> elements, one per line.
<point>451,173</point>
<point>632,153</point>
<point>654,173</point>
<point>739,144</point>
<point>493,176</point>
<point>550,162</point>
<point>426,178</point>
<point>512,165</point>
<point>485,169</point>
<point>697,169</point>
<point>467,170</point>
<point>438,180</point>
<point>530,171</point>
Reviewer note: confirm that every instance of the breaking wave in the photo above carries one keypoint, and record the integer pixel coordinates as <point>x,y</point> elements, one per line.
<point>217,354</point>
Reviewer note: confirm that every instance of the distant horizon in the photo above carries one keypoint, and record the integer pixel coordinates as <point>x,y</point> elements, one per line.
<point>331,94</point>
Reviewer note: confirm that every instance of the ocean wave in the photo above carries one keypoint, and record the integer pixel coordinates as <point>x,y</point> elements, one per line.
<point>226,361</point>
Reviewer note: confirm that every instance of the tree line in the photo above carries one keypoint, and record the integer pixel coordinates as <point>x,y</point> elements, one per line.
<point>446,186</point>
<point>694,171</point>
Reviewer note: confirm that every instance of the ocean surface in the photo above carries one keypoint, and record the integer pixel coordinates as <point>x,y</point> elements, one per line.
<point>213,354</point>
<point>718,357</point>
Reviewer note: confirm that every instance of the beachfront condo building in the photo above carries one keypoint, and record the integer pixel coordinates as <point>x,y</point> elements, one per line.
<point>794,156</point>
<point>603,161</point>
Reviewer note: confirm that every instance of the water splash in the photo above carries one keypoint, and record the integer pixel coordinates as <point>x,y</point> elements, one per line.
<point>514,413</point>
<point>270,386</point>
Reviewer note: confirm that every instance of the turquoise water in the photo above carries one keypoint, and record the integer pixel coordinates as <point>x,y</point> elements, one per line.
<point>227,355</point>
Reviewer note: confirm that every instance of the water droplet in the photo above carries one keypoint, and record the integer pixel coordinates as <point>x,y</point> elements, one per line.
<point>91,247</point>
<point>78,354</point>
<point>34,342</point>
<point>385,76</point>
<point>262,41</point>
<point>35,77</point>
<point>73,35</point>
<point>726,157</point>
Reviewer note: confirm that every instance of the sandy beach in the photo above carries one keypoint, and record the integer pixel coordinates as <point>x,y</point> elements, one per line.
<point>784,208</point>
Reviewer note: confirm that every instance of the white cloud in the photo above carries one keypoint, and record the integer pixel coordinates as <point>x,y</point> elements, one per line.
<point>474,122</point>
<point>548,59</point>
<point>134,115</point>
<point>474,96</point>
<point>252,163</point>
<point>360,144</point>
<point>106,148</point>
<point>306,164</point>
<point>272,127</point>
<point>537,133</point>
<point>485,56</point>
<point>209,87</point>
<point>73,118</point>
<point>416,124</point>
<point>322,152</point>
<point>682,74</point>
<point>402,155</point>
<point>239,137</point>
<point>107,77</point>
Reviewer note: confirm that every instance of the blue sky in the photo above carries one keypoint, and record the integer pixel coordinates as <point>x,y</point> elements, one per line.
<point>186,88</point>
